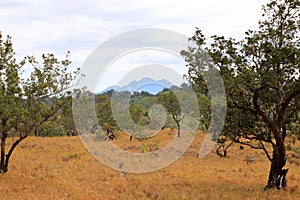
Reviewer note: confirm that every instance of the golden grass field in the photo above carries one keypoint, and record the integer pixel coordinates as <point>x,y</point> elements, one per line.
<point>61,168</point>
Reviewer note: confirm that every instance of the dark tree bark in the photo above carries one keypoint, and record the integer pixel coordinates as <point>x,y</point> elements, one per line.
<point>179,130</point>
<point>5,158</point>
<point>276,168</point>
<point>2,162</point>
<point>175,117</point>
<point>224,148</point>
<point>278,160</point>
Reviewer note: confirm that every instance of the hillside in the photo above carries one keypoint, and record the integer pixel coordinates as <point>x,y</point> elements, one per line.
<point>61,168</point>
<point>145,84</point>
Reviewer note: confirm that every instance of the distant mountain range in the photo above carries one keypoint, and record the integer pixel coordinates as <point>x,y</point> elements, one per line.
<point>145,84</point>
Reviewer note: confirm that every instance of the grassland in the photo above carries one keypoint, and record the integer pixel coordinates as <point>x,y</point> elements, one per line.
<point>61,168</point>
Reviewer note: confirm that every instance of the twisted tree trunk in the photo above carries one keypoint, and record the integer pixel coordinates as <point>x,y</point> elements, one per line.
<point>278,160</point>
<point>5,158</point>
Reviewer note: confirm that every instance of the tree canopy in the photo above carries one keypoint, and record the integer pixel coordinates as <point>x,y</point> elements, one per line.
<point>26,103</point>
<point>261,77</point>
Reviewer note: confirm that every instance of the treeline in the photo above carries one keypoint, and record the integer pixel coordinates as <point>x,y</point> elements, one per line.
<point>157,111</point>
<point>144,109</point>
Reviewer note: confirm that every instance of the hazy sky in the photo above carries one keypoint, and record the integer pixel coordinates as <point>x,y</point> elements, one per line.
<point>41,26</point>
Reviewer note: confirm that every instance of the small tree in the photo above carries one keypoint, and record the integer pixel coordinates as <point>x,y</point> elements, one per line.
<point>261,76</point>
<point>104,112</point>
<point>139,116</point>
<point>172,106</point>
<point>25,104</point>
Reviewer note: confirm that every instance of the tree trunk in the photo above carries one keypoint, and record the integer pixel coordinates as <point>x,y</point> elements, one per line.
<point>218,150</point>
<point>5,158</point>
<point>175,117</point>
<point>2,162</point>
<point>178,127</point>
<point>224,149</point>
<point>277,163</point>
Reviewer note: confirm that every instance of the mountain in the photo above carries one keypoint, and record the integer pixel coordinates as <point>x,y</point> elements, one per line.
<point>145,84</point>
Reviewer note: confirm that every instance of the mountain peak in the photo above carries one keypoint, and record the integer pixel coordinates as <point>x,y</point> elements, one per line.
<point>144,84</point>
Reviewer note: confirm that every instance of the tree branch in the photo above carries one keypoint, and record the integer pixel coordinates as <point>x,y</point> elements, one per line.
<point>285,104</point>
<point>249,145</point>
<point>257,107</point>
<point>244,107</point>
<point>265,150</point>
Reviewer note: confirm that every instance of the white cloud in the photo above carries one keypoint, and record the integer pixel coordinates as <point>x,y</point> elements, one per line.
<point>40,26</point>
<point>142,61</point>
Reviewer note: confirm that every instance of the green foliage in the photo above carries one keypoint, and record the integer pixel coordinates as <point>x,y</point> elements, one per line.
<point>104,112</point>
<point>154,111</point>
<point>50,129</point>
<point>153,146</point>
<point>28,103</point>
<point>261,77</point>
<point>62,123</point>
<point>144,148</point>
<point>138,113</point>
<point>260,72</point>
<point>170,102</point>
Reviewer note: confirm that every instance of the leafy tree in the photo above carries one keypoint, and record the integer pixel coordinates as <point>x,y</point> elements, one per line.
<point>65,118</point>
<point>104,112</point>
<point>172,106</point>
<point>182,105</point>
<point>261,76</point>
<point>84,118</point>
<point>204,107</point>
<point>145,100</point>
<point>139,116</point>
<point>158,117</point>
<point>27,103</point>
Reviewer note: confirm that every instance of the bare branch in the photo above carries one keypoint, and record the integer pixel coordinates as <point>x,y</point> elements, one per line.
<point>265,150</point>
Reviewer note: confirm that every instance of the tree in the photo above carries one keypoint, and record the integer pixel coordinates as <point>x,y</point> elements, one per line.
<point>139,116</point>
<point>85,118</point>
<point>172,106</point>
<point>261,76</point>
<point>158,117</point>
<point>204,108</point>
<point>65,117</point>
<point>104,112</point>
<point>27,103</point>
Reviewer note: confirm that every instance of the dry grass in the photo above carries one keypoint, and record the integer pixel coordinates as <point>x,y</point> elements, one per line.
<point>61,168</point>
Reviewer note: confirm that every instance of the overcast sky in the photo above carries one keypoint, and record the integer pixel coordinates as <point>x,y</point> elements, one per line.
<point>41,26</point>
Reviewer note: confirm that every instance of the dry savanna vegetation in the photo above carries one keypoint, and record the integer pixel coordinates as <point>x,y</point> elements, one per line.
<point>61,168</point>
<point>254,80</point>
